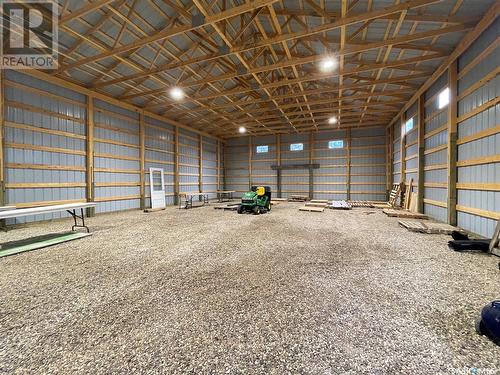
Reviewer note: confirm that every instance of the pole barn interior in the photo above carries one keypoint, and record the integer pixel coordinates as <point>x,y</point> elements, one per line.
<point>388,109</point>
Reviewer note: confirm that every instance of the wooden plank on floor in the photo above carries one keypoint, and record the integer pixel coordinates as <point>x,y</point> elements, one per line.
<point>381,205</point>
<point>312,209</point>
<point>404,214</point>
<point>428,227</point>
<point>313,204</point>
<point>364,204</point>
<point>227,207</point>
<point>319,201</point>
<point>412,226</point>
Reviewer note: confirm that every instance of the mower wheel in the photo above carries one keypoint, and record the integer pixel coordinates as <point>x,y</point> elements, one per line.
<point>240,209</point>
<point>256,210</point>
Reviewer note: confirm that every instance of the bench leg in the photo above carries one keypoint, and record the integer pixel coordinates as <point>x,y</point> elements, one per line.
<point>81,217</point>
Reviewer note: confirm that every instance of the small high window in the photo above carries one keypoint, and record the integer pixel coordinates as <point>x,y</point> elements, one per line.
<point>409,125</point>
<point>297,147</point>
<point>444,98</point>
<point>262,149</point>
<point>339,143</point>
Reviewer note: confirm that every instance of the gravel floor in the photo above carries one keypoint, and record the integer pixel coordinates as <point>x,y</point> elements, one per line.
<point>206,291</point>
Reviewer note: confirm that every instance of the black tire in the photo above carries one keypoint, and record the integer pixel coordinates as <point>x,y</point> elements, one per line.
<point>480,327</point>
<point>256,210</point>
<point>240,209</point>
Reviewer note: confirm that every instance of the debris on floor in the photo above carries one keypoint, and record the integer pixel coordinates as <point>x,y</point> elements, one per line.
<point>313,204</point>
<point>404,214</point>
<point>298,198</point>
<point>227,207</point>
<point>428,227</point>
<point>312,209</point>
<point>339,205</point>
<point>365,204</point>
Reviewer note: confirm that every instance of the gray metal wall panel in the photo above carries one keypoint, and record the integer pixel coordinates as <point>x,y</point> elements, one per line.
<point>436,212</point>
<point>25,162</point>
<point>477,205</point>
<point>159,151</point>
<point>115,124</point>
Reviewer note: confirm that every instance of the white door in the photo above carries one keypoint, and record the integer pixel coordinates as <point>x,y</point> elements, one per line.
<point>157,184</point>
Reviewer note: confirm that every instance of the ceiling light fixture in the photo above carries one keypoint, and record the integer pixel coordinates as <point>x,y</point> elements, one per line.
<point>328,64</point>
<point>332,120</point>
<point>242,130</point>
<point>176,93</point>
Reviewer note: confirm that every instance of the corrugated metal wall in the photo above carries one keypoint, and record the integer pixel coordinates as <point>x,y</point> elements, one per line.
<point>478,144</point>
<point>436,151</point>
<point>478,195</point>
<point>210,176</point>
<point>368,164</point>
<point>396,153</point>
<point>159,143</point>
<point>330,181</point>
<point>189,158</point>
<point>44,144</point>
<point>261,162</point>
<point>117,166</point>
<point>236,164</point>
<point>46,150</point>
<point>366,167</point>
<point>296,181</point>
<point>411,147</point>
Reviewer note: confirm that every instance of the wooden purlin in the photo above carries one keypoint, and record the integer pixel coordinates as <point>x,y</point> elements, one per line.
<point>269,56</point>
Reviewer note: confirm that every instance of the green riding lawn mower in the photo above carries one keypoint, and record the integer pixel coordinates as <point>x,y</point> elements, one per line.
<point>257,201</point>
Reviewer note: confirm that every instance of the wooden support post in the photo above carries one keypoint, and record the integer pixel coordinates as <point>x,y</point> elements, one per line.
<point>142,157</point>
<point>278,162</point>
<point>176,166</point>
<point>223,162</point>
<point>311,172</point>
<point>250,153</point>
<point>2,142</point>
<point>90,154</point>
<point>421,156</point>
<point>200,164</point>
<point>452,145</point>
<point>389,160</point>
<point>218,165</point>
<point>348,164</point>
<point>402,154</point>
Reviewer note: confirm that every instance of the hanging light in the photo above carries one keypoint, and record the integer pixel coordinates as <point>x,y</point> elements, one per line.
<point>176,93</point>
<point>332,120</point>
<point>242,130</point>
<point>328,64</point>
